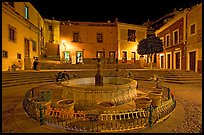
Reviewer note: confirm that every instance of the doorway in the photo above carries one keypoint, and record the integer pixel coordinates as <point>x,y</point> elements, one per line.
<point>111,57</point>
<point>192,60</point>
<point>79,57</point>
<point>178,60</point>
<point>27,60</point>
<point>124,57</point>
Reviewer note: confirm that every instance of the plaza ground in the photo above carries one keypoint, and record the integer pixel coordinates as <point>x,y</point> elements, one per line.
<point>183,119</point>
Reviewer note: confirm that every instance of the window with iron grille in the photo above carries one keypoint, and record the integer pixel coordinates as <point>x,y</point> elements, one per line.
<point>192,29</point>
<point>75,37</point>
<point>99,38</point>
<point>131,35</point>
<point>12,33</point>
<point>176,37</point>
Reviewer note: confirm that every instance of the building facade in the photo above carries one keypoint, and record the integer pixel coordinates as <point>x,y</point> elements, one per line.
<point>182,38</point>
<point>194,39</point>
<point>129,36</point>
<point>22,35</point>
<point>83,41</point>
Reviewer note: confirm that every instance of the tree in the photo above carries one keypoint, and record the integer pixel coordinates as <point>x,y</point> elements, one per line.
<point>150,46</point>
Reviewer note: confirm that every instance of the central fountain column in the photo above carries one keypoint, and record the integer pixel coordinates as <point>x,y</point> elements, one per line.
<point>98,76</point>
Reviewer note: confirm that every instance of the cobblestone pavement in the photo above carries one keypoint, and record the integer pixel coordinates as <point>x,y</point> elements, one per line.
<point>193,118</point>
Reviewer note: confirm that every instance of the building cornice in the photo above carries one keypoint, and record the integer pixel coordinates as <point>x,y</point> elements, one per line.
<point>172,21</point>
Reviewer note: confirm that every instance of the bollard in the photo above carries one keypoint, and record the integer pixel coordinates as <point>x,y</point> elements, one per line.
<point>41,115</point>
<point>150,115</point>
<point>168,93</point>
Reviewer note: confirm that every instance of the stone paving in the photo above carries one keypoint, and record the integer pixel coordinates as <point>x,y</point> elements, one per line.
<point>186,118</point>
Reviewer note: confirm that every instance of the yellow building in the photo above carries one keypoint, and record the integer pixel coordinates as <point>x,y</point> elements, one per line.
<point>194,38</point>
<point>26,35</point>
<point>22,34</point>
<point>129,36</point>
<point>51,38</point>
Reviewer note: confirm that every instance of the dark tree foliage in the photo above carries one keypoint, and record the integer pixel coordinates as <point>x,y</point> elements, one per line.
<point>150,45</point>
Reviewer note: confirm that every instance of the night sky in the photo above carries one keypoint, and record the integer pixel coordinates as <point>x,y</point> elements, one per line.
<point>127,11</point>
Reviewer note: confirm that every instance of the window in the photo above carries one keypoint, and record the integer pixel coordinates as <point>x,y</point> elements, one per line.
<point>131,35</point>
<point>50,27</point>
<point>100,54</point>
<point>26,12</point>
<point>167,40</point>
<point>192,29</point>
<point>11,4</point>
<point>34,46</point>
<point>99,38</point>
<point>18,56</point>
<point>176,37</point>
<point>4,54</point>
<point>12,33</point>
<point>75,37</point>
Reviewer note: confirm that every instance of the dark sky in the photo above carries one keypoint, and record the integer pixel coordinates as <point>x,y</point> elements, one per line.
<point>127,11</point>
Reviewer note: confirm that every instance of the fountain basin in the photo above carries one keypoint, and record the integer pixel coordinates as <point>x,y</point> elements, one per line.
<point>84,92</point>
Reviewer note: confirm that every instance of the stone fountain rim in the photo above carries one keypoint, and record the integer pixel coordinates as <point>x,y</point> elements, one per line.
<point>130,84</point>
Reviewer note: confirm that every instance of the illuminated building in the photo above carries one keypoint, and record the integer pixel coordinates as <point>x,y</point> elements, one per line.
<point>182,38</point>
<point>22,35</point>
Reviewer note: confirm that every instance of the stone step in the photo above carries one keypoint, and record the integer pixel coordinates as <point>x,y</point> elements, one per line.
<point>29,82</point>
<point>182,82</point>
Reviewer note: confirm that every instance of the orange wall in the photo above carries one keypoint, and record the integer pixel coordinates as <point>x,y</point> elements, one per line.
<point>88,39</point>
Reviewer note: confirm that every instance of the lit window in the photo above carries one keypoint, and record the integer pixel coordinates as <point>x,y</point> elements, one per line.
<point>26,12</point>
<point>192,29</point>
<point>34,46</point>
<point>131,35</point>
<point>18,56</point>
<point>99,38</point>
<point>176,37</point>
<point>12,33</point>
<point>75,37</point>
<point>4,54</point>
<point>100,54</point>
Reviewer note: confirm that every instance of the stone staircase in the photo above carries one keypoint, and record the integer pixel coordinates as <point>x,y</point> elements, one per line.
<point>16,78</point>
<point>24,77</point>
<point>182,77</point>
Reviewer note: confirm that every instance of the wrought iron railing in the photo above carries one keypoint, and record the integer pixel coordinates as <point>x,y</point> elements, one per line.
<point>114,121</point>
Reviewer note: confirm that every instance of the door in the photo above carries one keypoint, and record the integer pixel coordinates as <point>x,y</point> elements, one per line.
<point>27,60</point>
<point>124,57</point>
<point>178,60</point>
<point>67,56</point>
<point>192,60</point>
<point>162,61</point>
<point>111,57</point>
<point>168,61</point>
<point>79,57</point>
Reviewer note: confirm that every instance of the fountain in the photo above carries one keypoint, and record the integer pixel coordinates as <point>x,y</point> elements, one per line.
<point>97,104</point>
<point>88,92</point>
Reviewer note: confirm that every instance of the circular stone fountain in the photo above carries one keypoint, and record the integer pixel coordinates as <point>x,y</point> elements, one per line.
<point>85,94</point>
